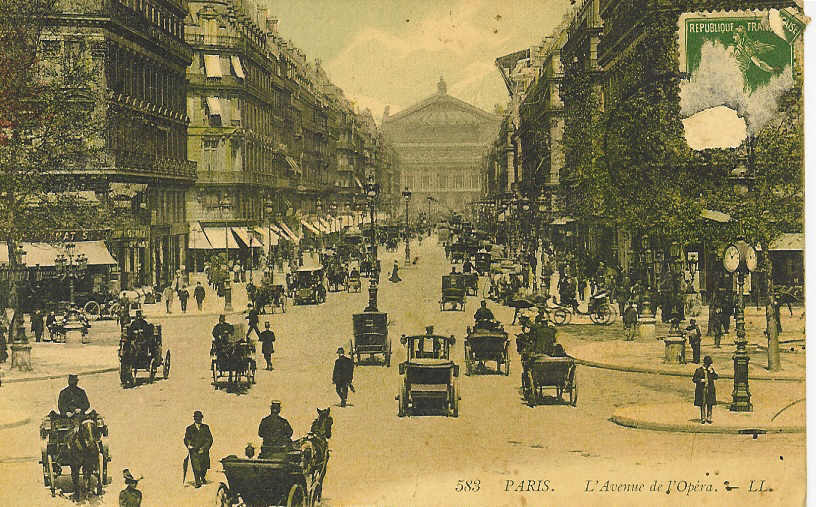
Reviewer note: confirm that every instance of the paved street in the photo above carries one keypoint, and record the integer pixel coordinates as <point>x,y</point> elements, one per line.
<point>378,458</point>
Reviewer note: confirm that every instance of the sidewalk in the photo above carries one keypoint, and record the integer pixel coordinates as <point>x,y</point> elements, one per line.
<point>683,417</point>
<point>57,360</point>
<point>614,353</point>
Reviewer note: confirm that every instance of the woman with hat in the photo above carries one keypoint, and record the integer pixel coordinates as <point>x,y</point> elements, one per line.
<point>130,496</point>
<point>705,393</point>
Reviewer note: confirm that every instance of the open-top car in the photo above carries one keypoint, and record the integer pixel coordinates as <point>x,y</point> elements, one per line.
<point>429,375</point>
<point>309,286</point>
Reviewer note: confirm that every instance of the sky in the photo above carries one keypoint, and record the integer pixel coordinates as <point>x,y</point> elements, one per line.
<point>393,52</point>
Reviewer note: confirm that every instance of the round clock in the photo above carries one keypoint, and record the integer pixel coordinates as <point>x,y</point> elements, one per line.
<point>750,258</point>
<point>731,258</point>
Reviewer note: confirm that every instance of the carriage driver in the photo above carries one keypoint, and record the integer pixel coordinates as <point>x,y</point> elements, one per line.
<point>483,316</point>
<point>138,323</point>
<point>73,400</point>
<point>274,430</point>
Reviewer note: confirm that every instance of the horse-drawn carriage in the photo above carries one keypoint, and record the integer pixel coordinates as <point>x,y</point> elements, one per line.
<point>483,261</point>
<point>233,357</point>
<point>140,348</point>
<point>458,252</point>
<point>454,290</point>
<point>429,375</point>
<point>546,366</point>
<point>270,295</point>
<point>371,336</point>
<point>290,476</point>
<point>80,443</point>
<point>336,275</point>
<point>353,283</point>
<point>487,342</point>
<point>471,283</point>
<point>309,286</point>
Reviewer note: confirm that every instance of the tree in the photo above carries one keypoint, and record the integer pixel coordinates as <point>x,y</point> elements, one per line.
<point>52,120</point>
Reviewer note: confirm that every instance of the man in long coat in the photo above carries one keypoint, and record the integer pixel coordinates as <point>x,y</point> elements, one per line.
<point>267,339</point>
<point>73,400</point>
<point>705,393</point>
<point>198,440</point>
<point>342,375</point>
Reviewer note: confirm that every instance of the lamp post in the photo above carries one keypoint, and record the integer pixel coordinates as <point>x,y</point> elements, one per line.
<point>71,266</point>
<point>15,273</point>
<point>224,206</point>
<point>646,321</point>
<point>430,200</point>
<point>740,257</point>
<point>406,195</point>
<point>372,189</point>
<point>269,210</point>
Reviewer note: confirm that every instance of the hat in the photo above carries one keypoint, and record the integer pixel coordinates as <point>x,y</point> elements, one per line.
<point>129,477</point>
<point>707,360</point>
<point>73,377</point>
<point>266,324</point>
<point>340,350</point>
<point>275,404</point>
<point>198,414</point>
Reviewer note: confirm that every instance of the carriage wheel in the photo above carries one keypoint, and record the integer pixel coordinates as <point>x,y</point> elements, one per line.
<point>468,361</point>
<point>92,310</point>
<point>506,362</point>
<point>529,389</point>
<point>574,394</point>
<point>222,496</point>
<point>154,368</point>
<point>402,401</point>
<point>559,316</point>
<point>166,368</point>
<point>388,356</point>
<point>454,400</point>
<point>114,310</point>
<point>215,374</point>
<point>296,496</point>
<point>49,464</point>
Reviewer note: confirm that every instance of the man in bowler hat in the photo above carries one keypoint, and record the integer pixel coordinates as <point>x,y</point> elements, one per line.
<point>130,496</point>
<point>343,375</point>
<point>198,440</point>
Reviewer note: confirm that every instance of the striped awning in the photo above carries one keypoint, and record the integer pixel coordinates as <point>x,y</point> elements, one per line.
<point>198,240</point>
<point>309,227</point>
<point>292,236</point>
<point>45,254</point>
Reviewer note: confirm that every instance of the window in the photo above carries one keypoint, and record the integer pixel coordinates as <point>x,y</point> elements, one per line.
<point>210,143</point>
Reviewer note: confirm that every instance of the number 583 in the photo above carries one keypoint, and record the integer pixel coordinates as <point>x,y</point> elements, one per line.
<point>467,486</point>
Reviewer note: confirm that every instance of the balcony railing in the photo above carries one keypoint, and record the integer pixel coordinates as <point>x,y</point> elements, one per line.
<point>198,39</point>
<point>133,161</point>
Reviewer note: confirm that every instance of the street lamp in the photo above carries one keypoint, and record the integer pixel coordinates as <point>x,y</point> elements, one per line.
<point>406,194</point>
<point>372,190</point>
<point>224,205</point>
<point>73,267</point>
<point>740,257</point>
<point>646,321</point>
<point>16,272</point>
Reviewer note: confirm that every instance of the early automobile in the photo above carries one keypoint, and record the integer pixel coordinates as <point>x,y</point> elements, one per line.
<point>140,348</point>
<point>88,452</point>
<point>487,343</point>
<point>309,286</point>
<point>371,337</point>
<point>233,357</point>
<point>453,292</point>
<point>429,379</point>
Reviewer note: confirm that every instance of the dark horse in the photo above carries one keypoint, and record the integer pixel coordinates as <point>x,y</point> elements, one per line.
<point>84,450</point>
<point>314,448</point>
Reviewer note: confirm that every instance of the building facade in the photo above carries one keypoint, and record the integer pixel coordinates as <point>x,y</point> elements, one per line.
<point>440,142</point>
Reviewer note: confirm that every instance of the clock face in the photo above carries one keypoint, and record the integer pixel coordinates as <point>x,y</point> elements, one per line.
<point>750,258</point>
<point>731,258</point>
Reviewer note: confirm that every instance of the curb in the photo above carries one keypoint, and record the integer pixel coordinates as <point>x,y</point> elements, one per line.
<point>699,428</point>
<point>14,424</point>
<point>192,313</point>
<point>52,377</point>
<point>670,373</point>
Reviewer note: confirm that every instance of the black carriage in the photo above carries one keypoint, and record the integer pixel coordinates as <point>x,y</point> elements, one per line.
<point>453,292</point>
<point>487,343</point>
<point>271,296</point>
<point>483,260</point>
<point>471,283</point>
<point>353,283</point>
<point>309,286</point>
<point>233,358</point>
<point>371,336</point>
<point>336,276</point>
<point>458,252</point>
<point>429,376</point>
<point>140,348</point>
<point>545,366</point>
<point>56,455</point>
<point>278,480</point>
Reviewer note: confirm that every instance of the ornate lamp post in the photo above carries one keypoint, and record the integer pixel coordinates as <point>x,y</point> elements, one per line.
<point>15,273</point>
<point>224,205</point>
<point>269,210</point>
<point>740,257</point>
<point>406,195</point>
<point>372,190</point>
<point>646,321</point>
<point>73,267</point>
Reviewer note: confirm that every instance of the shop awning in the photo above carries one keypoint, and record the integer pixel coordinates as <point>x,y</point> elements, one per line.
<point>212,66</point>
<point>236,66</point>
<point>214,106</point>
<point>790,241</point>
<point>324,225</point>
<point>218,236</point>
<point>285,228</point>
<point>198,240</point>
<point>45,254</point>
<point>267,236</point>
<point>309,227</point>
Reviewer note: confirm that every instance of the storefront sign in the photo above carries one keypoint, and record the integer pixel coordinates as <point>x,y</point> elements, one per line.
<point>132,232</point>
<point>66,236</point>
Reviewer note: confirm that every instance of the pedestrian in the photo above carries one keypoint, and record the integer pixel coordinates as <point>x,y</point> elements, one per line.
<point>705,393</point>
<point>395,273</point>
<point>343,375</point>
<point>236,271</point>
<point>630,318</point>
<point>252,320</point>
<point>717,325</point>
<point>37,324</point>
<point>167,294</point>
<point>130,496</point>
<point>199,294</point>
<point>198,440</point>
<point>267,339</point>
<point>695,336</point>
<point>3,348</point>
<point>183,295</point>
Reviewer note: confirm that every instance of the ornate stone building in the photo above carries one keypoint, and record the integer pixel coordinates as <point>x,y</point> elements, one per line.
<point>440,142</point>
